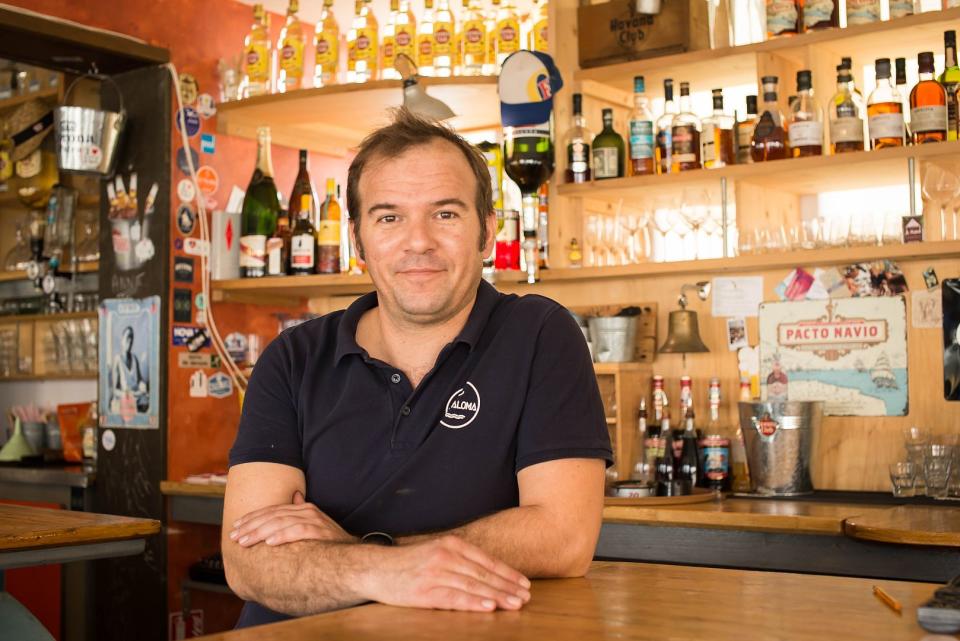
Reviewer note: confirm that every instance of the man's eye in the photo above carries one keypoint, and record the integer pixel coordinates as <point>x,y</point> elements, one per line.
<point>387,218</point>
<point>447,215</point>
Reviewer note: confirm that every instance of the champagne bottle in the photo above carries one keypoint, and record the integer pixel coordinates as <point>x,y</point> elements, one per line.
<point>261,206</point>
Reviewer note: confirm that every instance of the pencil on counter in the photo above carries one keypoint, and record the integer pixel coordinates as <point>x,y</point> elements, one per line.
<point>888,600</point>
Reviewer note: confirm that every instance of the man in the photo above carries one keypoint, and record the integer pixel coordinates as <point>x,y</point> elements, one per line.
<point>464,424</point>
<point>127,380</point>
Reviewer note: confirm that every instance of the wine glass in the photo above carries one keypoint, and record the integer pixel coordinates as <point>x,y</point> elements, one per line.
<point>694,209</point>
<point>939,187</point>
<point>663,222</point>
<point>19,255</point>
<point>528,161</point>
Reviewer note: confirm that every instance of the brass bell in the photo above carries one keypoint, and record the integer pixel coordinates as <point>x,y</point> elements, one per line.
<point>683,329</point>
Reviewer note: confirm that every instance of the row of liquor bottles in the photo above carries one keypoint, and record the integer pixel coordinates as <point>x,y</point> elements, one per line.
<point>439,42</point>
<point>678,140</point>
<point>792,17</point>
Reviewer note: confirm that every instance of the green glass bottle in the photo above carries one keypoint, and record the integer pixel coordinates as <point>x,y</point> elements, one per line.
<point>261,207</point>
<point>950,79</point>
<point>608,150</point>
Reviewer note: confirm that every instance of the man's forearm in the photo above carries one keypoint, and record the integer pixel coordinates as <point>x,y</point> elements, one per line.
<point>300,578</point>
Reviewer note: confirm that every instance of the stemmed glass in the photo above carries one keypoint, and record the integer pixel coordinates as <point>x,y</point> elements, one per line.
<point>695,209</point>
<point>663,222</point>
<point>592,241</point>
<point>939,186</point>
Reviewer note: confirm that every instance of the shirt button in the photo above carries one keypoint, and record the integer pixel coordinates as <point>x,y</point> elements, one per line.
<point>405,410</point>
<point>395,378</point>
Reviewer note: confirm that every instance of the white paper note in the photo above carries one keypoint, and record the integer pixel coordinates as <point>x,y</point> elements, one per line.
<point>737,297</point>
<point>926,308</point>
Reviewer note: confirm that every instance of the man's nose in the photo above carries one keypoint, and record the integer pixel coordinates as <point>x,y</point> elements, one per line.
<point>420,235</point>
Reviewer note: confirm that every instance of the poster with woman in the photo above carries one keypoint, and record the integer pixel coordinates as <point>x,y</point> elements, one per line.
<point>129,362</point>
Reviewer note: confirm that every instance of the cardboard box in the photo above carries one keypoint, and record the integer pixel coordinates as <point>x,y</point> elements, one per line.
<point>615,32</point>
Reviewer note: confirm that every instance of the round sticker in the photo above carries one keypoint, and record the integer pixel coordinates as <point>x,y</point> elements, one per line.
<point>186,191</point>
<point>189,118</point>
<point>109,440</point>
<point>188,88</point>
<point>210,203</point>
<point>200,302</point>
<point>206,106</point>
<point>186,219</point>
<point>182,159</point>
<point>208,180</point>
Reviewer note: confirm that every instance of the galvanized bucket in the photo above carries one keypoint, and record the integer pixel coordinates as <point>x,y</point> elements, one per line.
<point>87,138</point>
<point>780,439</point>
<point>613,338</point>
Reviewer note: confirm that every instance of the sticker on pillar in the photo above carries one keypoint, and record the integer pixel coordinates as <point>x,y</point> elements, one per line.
<point>186,192</point>
<point>186,219</point>
<point>188,120</point>
<point>183,269</point>
<point>182,305</point>
<point>182,159</point>
<point>206,106</point>
<point>199,384</point>
<point>108,439</point>
<point>927,308</point>
<point>186,336</point>
<point>129,362</point>
<point>189,88</point>
<point>237,346</point>
<point>208,143</point>
<point>178,244</point>
<point>197,360</point>
<point>220,385</point>
<point>196,246</point>
<point>208,180</point>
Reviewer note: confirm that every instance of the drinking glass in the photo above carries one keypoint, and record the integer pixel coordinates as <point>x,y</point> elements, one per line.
<point>592,241</point>
<point>939,186</point>
<point>892,233</point>
<point>915,441</point>
<point>903,474</point>
<point>937,464</point>
<point>694,209</point>
<point>663,222</point>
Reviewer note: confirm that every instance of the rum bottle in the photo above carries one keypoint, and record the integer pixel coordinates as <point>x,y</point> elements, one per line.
<point>578,141</point>
<point>388,44</point>
<point>303,239</point>
<point>490,23</point>
<point>608,150</point>
<point>783,17</point>
<point>846,115</point>
<point>665,464</point>
<point>328,232</point>
<point>474,40</point>
<point>664,123</point>
<point>928,105</point>
<point>685,135</point>
<point>290,50</point>
<point>508,31</point>
<point>805,127</point>
<point>950,81</point>
<point>362,44</point>
<point>642,155</point>
<point>425,43</point>
<point>641,467</point>
<point>717,136</point>
<point>769,140</point>
<point>261,208</point>
<point>744,131</point>
<point>689,469</point>
<point>885,110</point>
<point>444,28</point>
<point>257,57</point>
<point>327,47</point>
<point>538,37</point>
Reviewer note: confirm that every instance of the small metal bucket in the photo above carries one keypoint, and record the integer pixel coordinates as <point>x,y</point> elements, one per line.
<point>780,439</point>
<point>613,338</point>
<point>87,138</point>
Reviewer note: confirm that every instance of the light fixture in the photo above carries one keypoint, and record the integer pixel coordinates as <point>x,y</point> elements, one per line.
<point>415,98</point>
<point>683,329</point>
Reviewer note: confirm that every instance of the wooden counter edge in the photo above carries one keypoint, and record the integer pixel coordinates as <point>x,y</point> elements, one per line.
<point>898,536</point>
<point>664,516</point>
<point>179,488</point>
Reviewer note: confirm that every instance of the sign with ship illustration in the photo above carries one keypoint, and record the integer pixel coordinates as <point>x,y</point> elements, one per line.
<point>850,353</point>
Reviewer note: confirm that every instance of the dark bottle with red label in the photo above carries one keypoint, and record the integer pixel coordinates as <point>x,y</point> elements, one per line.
<point>688,472</point>
<point>665,462</point>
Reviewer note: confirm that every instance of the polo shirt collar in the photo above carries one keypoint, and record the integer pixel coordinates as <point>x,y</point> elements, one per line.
<point>483,306</point>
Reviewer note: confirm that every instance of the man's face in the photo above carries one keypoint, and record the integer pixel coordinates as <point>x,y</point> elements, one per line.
<point>127,342</point>
<point>419,230</point>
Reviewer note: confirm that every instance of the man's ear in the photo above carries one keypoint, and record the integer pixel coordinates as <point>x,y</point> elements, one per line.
<point>489,233</point>
<point>355,243</point>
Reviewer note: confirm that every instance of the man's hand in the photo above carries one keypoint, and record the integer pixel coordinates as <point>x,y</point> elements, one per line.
<point>447,574</point>
<point>286,523</point>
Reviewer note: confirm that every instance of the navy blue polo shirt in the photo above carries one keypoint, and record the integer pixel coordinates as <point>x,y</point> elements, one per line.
<point>515,388</point>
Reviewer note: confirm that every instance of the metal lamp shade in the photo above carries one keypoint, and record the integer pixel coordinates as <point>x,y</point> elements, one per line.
<point>683,334</point>
<point>416,100</point>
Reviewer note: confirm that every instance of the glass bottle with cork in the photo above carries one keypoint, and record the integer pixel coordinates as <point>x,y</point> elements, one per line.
<point>261,209</point>
<point>303,239</point>
<point>846,115</point>
<point>950,81</point>
<point>664,123</point>
<point>744,132</point>
<point>900,77</point>
<point>805,127</point>
<point>608,150</point>
<point>769,140</point>
<point>578,141</point>
<point>928,105</point>
<point>303,184</point>
<point>885,110</point>
<point>717,136</point>
<point>640,466</point>
<point>290,48</point>
<point>689,470</point>
<point>641,132</point>
<point>685,135</point>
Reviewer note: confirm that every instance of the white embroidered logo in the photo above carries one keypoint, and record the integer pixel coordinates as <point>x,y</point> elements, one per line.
<point>462,408</point>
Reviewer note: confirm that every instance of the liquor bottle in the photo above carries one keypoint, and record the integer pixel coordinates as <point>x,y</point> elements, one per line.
<point>717,136</point>
<point>543,225</point>
<point>528,161</point>
<point>405,32</point>
<point>885,110</point>
<point>686,394</point>
<point>539,31</point>
<point>444,28</point>
<point>744,132</point>
<point>900,71</point>
<point>769,140</point>
<point>261,206</point>
<point>664,123</point>
<point>257,57</point>
<point>928,105</point>
<point>805,126</point>
<point>328,232</point>
<point>278,248</point>
<point>425,42</point>
<point>665,464</point>
<point>950,80</point>
<point>862,12</point>
<point>508,31</point>
<point>821,14</point>
<point>303,185</point>
<point>739,470</point>
<point>715,447</point>
<point>900,8</point>
<point>507,255</point>
<point>362,42</point>
<point>388,43</point>
<point>640,469</point>
<point>783,18</point>
<point>651,443</point>
<point>490,24</point>
<point>290,47</point>
<point>689,457</point>
<point>303,239</point>
<point>660,400</point>
<point>608,150</point>
<point>327,47</point>
<point>846,115</point>
<point>473,40</point>
<point>642,149</point>
<point>685,135</point>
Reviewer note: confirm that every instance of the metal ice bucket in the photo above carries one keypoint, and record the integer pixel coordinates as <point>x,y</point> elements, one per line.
<point>780,439</point>
<point>613,338</point>
<point>87,138</point>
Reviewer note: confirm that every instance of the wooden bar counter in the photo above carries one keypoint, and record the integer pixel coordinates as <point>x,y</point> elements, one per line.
<point>641,601</point>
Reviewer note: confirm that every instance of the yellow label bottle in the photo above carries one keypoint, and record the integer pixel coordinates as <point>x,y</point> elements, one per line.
<point>474,40</point>
<point>362,47</point>
<point>257,56</point>
<point>508,31</point>
<point>425,43</point>
<point>539,32</point>
<point>327,47</point>
<point>444,40</point>
<point>490,22</point>
<point>388,43</point>
<point>290,51</point>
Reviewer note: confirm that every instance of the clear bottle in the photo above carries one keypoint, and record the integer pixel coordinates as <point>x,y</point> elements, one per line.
<point>328,232</point>
<point>508,31</point>
<point>406,31</point>
<point>444,45</point>
<point>490,22</point>
<point>539,30</point>
<point>744,131</point>
<point>641,467</point>
<point>664,123</point>
<point>425,42</point>
<point>862,12</point>
<point>327,48</point>
<point>769,140</point>
<point>303,239</point>
<point>474,40</point>
<point>278,248</point>
<point>685,135</point>
<point>608,150</point>
<point>950,81</point>
<point>257,57</point>
<point>846,115</point>
<point>885,110</point>
<point>783,17</point>
<point>362,41</point>
<point>578,141</point>
<point>717,136</point>
<point>928,105</point>
<point>388,44</point>
<point>821,14</point>
<point>642,147</point>
<point>900,71</point>
<point>805,126</point>
<point>261,209</point>
<point>290,47</point>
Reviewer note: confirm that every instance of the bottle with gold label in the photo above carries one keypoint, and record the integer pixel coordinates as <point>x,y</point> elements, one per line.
<point>406,31</point>
<point>388,44</point>
<point>508,31</point>
<point>425,41</point>
<point>290,51</point>
<point>328,232</point>
<point>327,44</point>
<point>474,39</point>
<point>444,47</point>
<point>537,40</point>
<point>257,57</point>
<point>490,22</point>
<point>362,53</point>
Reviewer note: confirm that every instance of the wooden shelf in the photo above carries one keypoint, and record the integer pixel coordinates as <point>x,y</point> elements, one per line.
<point>26,318</point>
<point>729,66</point>
<point>334,119</point>
<point>615,368</point>
<point>799,176</point>
<point>13,101</point>
<point>66,376</point>
<point>288,290</point>
<point>82,268</point>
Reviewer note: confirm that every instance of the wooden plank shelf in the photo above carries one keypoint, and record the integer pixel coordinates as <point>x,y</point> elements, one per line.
<point>26,318</point>
<point>288,290</point>
<point>332,120</point>
<point>82,268</point>
<point>19,99</point>
<point>65,376</point>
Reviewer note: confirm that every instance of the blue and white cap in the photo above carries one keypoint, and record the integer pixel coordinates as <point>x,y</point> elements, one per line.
<point>528,81</point>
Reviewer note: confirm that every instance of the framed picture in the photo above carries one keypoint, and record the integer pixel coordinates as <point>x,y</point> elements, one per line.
<point>129,362</point>
<point>951,339</point>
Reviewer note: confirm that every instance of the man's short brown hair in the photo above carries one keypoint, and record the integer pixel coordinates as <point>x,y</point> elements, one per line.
<point>406,132</point>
